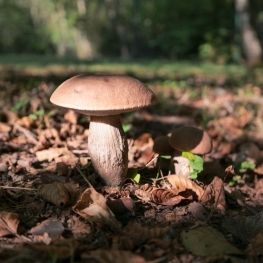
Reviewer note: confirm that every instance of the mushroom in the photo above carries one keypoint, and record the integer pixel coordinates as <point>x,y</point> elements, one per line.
<point>162,147</point>
<point>190,139</point>
<point>104,97</point>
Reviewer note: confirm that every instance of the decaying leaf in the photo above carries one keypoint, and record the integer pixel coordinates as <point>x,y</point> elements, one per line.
<point>144,193</point>
<point>139,234</point>
<point>58,251</point>
<point>92,206</point>
<point>244,228</point>
<point>214,194</point>
<point>52,153</point>
<point>59,194</point>
<point>53,228</point>
<point>109,256</point>
<point>8,223</point>
<point>207,241</point>
<point>255,248</point>
<point>169,197</point>
<point>77,227</point>
<point>181,183</point>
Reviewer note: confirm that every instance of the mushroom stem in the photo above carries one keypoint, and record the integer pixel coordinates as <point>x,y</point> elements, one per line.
<point>108,148</point>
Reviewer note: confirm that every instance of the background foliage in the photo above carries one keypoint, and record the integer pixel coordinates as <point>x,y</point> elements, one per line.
<point>85,29</point>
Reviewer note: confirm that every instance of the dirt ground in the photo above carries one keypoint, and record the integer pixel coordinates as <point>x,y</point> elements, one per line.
<point>54,207</point>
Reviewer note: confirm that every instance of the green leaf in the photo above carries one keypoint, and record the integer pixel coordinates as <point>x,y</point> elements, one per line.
<point>193,175</point>
<point>188,155</point>
<point>19,105</point>
<point>126,127</point>
<point>40,112</point>
<point>133,174</point>
<point>246,165</point>
<point>166,157</point>
<point>197,163</point>
<point>137,178</point>
<point>33,117</point>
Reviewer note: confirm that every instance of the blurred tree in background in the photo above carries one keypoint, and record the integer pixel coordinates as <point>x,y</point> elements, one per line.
<point>86,29</point>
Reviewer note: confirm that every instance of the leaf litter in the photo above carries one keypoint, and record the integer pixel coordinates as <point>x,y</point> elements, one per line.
<point>49,212</point>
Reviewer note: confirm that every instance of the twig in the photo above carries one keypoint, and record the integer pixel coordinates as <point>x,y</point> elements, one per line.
<point>19,188</point>
<point>26,132</point>
<point>84,177</point>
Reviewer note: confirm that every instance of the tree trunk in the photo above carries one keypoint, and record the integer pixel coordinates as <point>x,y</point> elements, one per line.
<point>251,44</point>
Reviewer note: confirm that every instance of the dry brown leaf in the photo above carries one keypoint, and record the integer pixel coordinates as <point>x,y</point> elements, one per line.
<point>59,252</point>
<point>8,223</point>
<point>92,206</point>
<point>144,193</point>
<point>140,234</point>
<point>181,183</point>
<point>59,194</point>
<point>215,195</point>
<point>52,153</point>
<point>109,256</point>
<point>169,197</point>
<point>4,127</point>
<point>77,227</point>
<point>255,248</point>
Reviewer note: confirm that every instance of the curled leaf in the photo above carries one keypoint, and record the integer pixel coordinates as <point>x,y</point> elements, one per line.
<point>59,194</point>
<point>8,223</point>
<point>182,183</point>
<point>169,197</point>
<point>92,206</point>
<point>144,193</point>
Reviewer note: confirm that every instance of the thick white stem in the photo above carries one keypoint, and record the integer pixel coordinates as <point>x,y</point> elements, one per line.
<point>108,148</point>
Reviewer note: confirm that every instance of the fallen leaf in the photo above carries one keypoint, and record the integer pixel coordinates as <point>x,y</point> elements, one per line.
<point>255,248</point>
<point>52,153</point>
<point>169,197</point>
<point>207,241</point>
<point>8,223</point>
<point>139,234</point>
<point>59,194</point>
<point>92,206</point>
<point>109,256</point>
<point>180,183</point>
<point>144,193</point>
<point>214,195</point>
<point>77,227</point>
<point>244,228</point>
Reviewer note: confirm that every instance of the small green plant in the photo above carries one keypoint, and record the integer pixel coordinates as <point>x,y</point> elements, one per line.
<point>20,104</point>
<point>134,175</point>
<point>37,114</point>
<point>195,162</point>
<point>126,127</point>
<point>245,165</point>
<point>234,180</point>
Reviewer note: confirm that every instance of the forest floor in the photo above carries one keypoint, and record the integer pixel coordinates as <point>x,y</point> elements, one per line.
<point>55,208</point>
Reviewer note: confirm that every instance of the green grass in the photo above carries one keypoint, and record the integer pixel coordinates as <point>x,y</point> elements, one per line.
<point>141,68</point>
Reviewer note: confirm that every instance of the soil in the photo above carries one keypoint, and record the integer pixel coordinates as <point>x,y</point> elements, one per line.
<point>54,207</point>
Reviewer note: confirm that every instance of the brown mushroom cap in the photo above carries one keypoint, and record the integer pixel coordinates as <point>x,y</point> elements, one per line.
<point>250,150</point>
<point>161,145</point>
<point>99,95</point>
<point>191,139</point>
